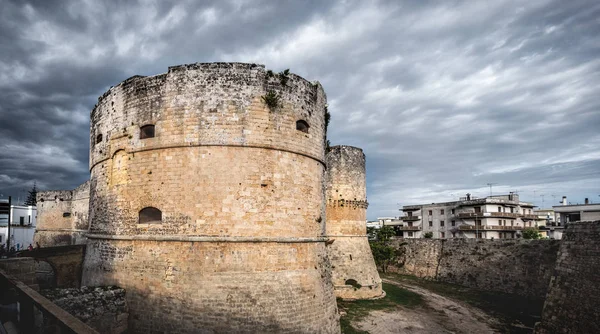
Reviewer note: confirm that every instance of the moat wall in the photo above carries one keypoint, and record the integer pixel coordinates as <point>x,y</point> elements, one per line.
<point>239,245</point>
<point>522,267</point>
<point>574,294</point>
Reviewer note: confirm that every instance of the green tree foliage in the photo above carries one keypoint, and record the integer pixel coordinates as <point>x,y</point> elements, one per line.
<point>531,233</point>
<point>428,235</point>
<point>32,196</point>
<point>384,252</point>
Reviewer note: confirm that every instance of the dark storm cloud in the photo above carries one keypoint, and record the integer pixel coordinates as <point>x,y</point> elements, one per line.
<point>443,97</point>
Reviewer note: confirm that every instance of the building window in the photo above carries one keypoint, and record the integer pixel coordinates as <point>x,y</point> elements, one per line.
<point>477,209</point>
<point>454,234</point>
<point>98,138</point>
<point>150,215</point>
<point>443,234</point>
<point>430,212</point>
<point>147,131</point>
<point>512,222</point>
<point>302,126</point>
<point>66,214</point>
<point>442,211</point>
<point>452,211</point>
<point>453,223</point>
<point>499,209</point>
<point>512,210</point>
<point>479,235</point>
<point>441,223</point>
<point>430,224</point>
<point>21,220</point>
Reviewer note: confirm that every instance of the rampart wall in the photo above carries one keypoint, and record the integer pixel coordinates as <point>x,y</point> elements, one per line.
<point>522,267</point>
<point>354,272</point>
<point>574,293</point>
<point>239,245</point>
<point>62,216</point>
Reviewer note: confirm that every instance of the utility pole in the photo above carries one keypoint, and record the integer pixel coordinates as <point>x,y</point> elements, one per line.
<point>542,196</point>
<point>490,185</point>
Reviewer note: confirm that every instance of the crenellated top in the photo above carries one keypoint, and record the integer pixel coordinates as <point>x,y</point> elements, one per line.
<point>210,104</point>
<point>346,174</point>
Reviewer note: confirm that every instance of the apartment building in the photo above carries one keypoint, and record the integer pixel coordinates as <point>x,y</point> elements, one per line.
<point>498,217</point>
<point>567,212</point>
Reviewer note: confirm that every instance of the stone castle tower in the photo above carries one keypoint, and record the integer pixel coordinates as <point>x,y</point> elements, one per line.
<point>207,201</point>
<point>354,272</point>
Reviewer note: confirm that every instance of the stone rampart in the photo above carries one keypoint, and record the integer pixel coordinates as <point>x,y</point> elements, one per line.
<point>354,272</point>
<point>522,267</point>
<point>62,216</point>
<point>574,293</point>
<point>228,159</point>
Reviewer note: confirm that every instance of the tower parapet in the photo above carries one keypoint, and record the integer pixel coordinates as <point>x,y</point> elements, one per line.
<point>206,201</point>
<point>354,272</point>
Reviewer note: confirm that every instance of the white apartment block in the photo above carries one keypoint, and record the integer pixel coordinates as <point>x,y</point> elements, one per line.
<point>498,217</point>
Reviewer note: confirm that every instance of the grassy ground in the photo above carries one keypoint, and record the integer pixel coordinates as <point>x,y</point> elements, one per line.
<point>395,296</point>
<point>509,309</point>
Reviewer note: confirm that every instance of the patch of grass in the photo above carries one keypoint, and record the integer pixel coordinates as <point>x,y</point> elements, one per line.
<point>358,309</point>
<point>507,308</point>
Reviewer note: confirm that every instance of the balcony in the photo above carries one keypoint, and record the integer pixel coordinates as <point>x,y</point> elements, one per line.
<point>409,228</point>
<point>491,214</point>
<point>411,218</point>
<point>489,228</point>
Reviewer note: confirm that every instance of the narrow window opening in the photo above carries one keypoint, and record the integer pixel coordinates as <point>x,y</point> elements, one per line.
<point>98,138</point>
<point>150,215</point>
<point>302,126</point>
<point>147,131</point>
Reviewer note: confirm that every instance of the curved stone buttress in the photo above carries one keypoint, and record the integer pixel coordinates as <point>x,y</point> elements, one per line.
<point>233,191</point>
<point>354,272</point>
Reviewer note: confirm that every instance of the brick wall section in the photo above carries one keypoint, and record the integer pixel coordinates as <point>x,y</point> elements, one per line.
<point>241,244</point>
<point>522,267</point>
<point>350,253</point>
<point>102,308</point>
<point>574,294</point>
<point>22,268</point>
<point>53,228</point>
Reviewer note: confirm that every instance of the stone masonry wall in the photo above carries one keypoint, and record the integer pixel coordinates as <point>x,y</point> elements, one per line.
<point>240,245</point>
<point>574,293</point>
<point>354,272</point>
<point>522,267</point>
<point>102,308</point>
<point>62,216</point>
<point>22,268</point>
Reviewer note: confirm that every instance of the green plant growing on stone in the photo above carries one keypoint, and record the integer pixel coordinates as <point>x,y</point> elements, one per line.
<point>531,233</point>
<point>272,100</point>
<point>428,235</point>
<point>284,76</point>
<point>384,253</point>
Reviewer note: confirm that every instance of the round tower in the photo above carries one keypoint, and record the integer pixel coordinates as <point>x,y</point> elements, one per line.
<point>354,273</point>
<point>206,201</point>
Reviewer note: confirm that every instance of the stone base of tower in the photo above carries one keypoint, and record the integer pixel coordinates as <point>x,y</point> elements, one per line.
<point>354,273</point>
<point>192,286</point>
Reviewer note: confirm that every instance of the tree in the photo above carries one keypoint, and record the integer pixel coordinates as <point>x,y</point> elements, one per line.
<point>32,196</point>
<point>384,253</point>
<point>428,235</point>
<point>531,233</point>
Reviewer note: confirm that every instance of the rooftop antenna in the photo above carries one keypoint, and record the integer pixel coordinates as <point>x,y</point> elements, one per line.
<point>490,185</point>
<point>542,196</point>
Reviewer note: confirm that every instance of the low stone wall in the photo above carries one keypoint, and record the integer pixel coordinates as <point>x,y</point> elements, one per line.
<point>22,268</point>
<point>574,293</point>
<point>102,308</point>
<point>522,267</point>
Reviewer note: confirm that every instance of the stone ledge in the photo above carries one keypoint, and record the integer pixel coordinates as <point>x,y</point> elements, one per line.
<point>204,238</point>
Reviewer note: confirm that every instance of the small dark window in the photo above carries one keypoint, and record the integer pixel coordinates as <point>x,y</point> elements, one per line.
<point>98,138</point>
<point>21,221</point>
<point>442,211</point>
<point>430,224</point>
<point>453,223</point>
<point>150,215</point>
<point>430,212</point>
<point>442,223</point>
<point>452,211</point>
<point>147,131</point>
<point>302,126</point>
<point>66,214</point>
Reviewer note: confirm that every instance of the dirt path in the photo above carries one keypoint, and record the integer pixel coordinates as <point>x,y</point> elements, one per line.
<point>440,315</point>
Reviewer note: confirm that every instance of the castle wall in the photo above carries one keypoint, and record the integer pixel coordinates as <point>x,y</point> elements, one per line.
<point>354,272</point>
<point>522,267</point>
<point>574,295</point>
<point>62,216</point>
<point>240,246</point>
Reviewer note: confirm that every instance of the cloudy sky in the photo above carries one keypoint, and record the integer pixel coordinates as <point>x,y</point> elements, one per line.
<point>443,96</point>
